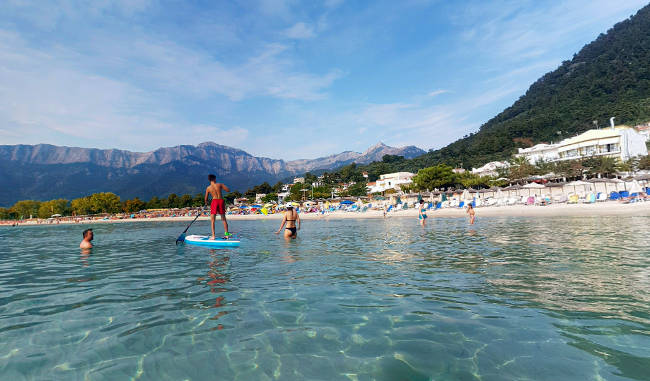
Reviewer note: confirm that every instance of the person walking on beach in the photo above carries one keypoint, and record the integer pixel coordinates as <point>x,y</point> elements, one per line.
<point>290,218</point>
<point>86,243</point>
<point>471,213</point>
<point>422,213</point>
<point>217,205</point>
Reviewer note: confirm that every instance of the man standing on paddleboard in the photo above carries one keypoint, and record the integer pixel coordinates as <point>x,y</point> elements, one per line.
<point>217,205</point>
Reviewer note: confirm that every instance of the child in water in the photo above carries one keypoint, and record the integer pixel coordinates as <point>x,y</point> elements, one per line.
<point>471,213</point>
<point>422,213</point>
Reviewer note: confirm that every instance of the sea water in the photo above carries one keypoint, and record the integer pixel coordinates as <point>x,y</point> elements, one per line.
<point>507,298</point>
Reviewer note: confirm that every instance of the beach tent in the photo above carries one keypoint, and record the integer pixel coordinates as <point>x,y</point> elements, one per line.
<point>346,202</point>
<point>634,188</point>
<point>533,186</point>
<point>577,184</point>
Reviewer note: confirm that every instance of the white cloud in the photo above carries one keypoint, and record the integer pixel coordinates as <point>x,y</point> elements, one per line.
<point>437,92</point>
<point>300,31</point>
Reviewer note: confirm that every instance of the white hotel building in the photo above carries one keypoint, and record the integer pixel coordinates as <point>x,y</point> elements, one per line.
<point>391,181</point>
<point>621,142</point>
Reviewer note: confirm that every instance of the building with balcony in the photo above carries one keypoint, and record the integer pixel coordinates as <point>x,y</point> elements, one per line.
<point>620,142</point>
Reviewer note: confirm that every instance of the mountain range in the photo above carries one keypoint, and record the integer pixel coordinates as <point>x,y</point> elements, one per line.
<point>43,171</point>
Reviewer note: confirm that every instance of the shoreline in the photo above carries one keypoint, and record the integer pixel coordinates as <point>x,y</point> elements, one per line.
<point>553,210</point>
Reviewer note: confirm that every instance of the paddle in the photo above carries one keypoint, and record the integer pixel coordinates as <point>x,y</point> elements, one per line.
<point>181,238</point>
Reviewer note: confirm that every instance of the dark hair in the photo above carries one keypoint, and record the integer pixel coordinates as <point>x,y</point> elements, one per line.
<point>85,233</point>
<point>212,177</point>
<point>421,201</point>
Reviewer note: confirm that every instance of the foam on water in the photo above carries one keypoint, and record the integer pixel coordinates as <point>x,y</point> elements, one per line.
<point>509,298</point>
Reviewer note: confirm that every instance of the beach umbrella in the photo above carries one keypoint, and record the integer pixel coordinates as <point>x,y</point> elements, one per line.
<point>346,202</point>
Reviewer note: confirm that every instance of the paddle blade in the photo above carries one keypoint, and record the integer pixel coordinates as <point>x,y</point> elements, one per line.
<point>180,239</point>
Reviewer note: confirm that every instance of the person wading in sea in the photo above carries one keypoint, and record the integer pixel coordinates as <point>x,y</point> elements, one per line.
<point>217,205</point>
<point>471,213</point>
<point>290,218</point>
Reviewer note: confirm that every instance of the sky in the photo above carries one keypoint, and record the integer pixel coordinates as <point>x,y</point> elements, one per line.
<point>278,78</point>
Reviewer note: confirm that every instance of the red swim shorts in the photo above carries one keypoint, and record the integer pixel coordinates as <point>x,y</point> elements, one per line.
<point>217,206</point>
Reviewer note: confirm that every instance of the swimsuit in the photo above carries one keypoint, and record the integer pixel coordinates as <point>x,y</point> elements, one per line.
<point>217,206</point>
<point>293,229</point>
<point>422,214</point>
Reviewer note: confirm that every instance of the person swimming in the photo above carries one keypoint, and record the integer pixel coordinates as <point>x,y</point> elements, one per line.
<point>88,236</point>
<point>290,218</point>
<point>422,213</point>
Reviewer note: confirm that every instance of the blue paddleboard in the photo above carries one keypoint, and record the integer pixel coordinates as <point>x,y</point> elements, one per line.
<point>204,240</point>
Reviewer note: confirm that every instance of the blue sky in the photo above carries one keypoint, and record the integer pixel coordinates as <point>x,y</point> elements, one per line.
<point>278,78</point>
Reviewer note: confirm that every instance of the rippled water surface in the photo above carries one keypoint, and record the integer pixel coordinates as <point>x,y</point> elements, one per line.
<point>509,298</point>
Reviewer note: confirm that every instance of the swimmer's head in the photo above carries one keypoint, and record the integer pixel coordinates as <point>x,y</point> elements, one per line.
<point>88,233</point>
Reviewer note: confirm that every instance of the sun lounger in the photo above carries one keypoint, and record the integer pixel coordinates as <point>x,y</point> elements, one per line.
<point>573,199</point>
<point>614,196</point>
<point>461,204</point>
<point>601,196</point>
<point>591,198</point>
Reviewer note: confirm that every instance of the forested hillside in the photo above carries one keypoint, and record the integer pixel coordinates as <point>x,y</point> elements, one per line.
<point>608,77</point>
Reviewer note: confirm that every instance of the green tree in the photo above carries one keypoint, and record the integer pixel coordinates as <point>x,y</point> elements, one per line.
<point>358,189</point>
<point>230,197</point>
<point>106,202</point>
<point>133,205</point>
<point>520,168</point>
<point>5,214</point>
<point>48,208</point>
<point>270,197</point>
<point>295,193</point>
<point>644,163</point>
<point>173,201</point>
<point>199,199</point>
<point>154,203</point>
<point>81,206</point>
<point>26,208</point>
<point>437,176</point>
<point>185,201</point>
<point>602,165</point>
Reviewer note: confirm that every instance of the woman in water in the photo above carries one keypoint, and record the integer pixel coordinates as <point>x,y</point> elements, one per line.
<point>290,218</point>
<point>422,213</point>
<point>471,213</point>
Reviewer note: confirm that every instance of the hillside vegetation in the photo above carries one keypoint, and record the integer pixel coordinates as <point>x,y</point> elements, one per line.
<point>608,77</point>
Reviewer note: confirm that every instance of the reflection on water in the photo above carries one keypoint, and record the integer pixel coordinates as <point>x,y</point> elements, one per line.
<point>506,298</point>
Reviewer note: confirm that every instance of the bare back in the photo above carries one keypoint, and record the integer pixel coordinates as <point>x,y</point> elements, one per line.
<point>214,190</point>
<point>291,217</point>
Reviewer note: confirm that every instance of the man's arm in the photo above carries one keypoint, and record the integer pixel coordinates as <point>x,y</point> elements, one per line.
<point>224,187</point>
<point>206,196</point>
<point>298,220</point>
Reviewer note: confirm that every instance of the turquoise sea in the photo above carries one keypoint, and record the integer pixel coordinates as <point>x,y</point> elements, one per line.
<point>506,299</point>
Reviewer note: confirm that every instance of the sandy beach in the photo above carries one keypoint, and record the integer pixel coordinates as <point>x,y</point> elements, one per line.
<point>553,210</point>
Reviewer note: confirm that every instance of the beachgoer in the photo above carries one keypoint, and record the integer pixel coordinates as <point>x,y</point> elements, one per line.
<point>471,213</point>
<point>422,213</point>
<point>290,218</point>
<point>217,205</point>
<point>86,243</point>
